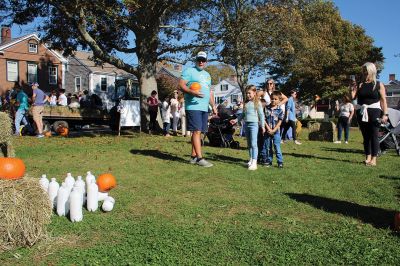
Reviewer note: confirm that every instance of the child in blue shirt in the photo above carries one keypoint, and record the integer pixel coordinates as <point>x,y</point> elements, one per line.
<point>273,120</point>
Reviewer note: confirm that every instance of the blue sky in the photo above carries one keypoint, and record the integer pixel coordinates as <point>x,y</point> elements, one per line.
<point>379,18</point>
<point>381,21</point>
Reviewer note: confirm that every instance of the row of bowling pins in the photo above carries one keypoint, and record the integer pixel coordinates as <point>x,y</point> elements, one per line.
<point>73,194</point>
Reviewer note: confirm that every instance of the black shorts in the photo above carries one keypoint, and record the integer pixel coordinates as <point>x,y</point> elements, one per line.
<point>197,120</point>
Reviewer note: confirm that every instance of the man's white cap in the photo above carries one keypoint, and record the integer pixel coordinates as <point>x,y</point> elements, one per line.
<point>201,55</point>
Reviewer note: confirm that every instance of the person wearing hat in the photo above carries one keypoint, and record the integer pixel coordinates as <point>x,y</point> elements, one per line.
<point>196,105</point>
<point>38,100</point>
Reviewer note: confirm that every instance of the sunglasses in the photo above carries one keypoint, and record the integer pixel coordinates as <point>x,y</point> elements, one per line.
<point>201,60</point>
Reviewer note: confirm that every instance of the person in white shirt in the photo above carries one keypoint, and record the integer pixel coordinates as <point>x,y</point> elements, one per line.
<point>166,115</point>
<point>175,112</point>
<point>346,112</point>
<point>62,99</point>
<point>53,98</point>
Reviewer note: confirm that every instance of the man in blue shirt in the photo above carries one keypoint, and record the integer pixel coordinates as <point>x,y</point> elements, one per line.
<point>196,105</point>
<point>38,100</point>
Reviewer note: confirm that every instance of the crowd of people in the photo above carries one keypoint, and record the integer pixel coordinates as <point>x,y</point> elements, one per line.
<point>268,115</point>
<point>18,101</point>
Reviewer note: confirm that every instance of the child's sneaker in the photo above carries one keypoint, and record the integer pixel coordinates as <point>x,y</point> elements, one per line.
<point>253,166</point>
<point>337,142</point>
<point>297,142</point>
<point>346,142</point>
<point>280,165</point>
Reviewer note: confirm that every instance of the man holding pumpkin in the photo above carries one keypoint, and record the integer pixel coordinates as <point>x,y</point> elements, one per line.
<point>196,105</point>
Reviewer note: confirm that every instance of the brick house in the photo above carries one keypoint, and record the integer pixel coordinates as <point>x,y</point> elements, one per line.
<point>25,60</point>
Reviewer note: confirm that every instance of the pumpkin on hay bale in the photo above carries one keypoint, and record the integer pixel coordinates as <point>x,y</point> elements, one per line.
<point>6,148</point>
<point>25,211</point>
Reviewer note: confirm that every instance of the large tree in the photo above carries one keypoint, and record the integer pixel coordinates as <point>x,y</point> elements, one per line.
<point>114,30</point>
<point>249,33</point>
<point>325,53</point>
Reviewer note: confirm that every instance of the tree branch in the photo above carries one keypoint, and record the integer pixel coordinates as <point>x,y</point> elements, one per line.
<point>184,47</point>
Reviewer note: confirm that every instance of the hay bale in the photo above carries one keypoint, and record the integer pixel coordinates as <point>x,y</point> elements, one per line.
<point>25,211</point>
<point>6,148</point>
<point>325,131</point>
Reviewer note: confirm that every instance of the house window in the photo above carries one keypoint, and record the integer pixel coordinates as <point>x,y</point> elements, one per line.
<point>12,71</point>
<point>103,85</point>
<point>77,84</point>
<point>389,94</point>
<point>224,87</point>
<point>52,75</point>
<point>33,47</point>
<point>32,72</point>
<point>234,98</point>
<point>219,100</point>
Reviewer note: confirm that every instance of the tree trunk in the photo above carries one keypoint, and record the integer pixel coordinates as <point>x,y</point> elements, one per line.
<point>147,83</point>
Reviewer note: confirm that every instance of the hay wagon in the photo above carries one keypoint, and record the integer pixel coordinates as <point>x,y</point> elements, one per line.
<point>53,116</point>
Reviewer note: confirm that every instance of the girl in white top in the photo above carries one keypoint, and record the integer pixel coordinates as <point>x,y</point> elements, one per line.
<point>175,112</point>
<point>346,112</point>
<point>53,98</point>
<point>166,115</point>
<point>62,99</point>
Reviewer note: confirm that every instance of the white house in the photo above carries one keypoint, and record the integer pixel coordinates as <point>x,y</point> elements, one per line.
<point>393,92</point>
<point>227,90</point>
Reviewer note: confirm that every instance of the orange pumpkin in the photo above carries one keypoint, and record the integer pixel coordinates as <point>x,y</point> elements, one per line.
<point>11,168</point>
<point>62,131</point>
<point>106,181</point>
<point>195,86</point>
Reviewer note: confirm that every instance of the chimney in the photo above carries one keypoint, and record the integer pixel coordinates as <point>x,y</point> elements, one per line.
<point>392,77</point>
<point>5,34</point>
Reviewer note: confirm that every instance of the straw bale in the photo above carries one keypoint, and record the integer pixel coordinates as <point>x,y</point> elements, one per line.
<point>6,148</point>
<point>25,211</point>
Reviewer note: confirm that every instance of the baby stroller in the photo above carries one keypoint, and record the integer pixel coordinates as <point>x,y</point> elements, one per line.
<point>220,130</point>
<point>389,132</point>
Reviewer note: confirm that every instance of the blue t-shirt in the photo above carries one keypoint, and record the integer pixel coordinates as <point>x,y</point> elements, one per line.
<point>39,100</point>
<point>191,75</point>
<point>291,109</point>
<point>22,98</point>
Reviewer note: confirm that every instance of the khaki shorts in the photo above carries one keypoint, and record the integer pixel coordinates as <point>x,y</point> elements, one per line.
<point>37,113</point>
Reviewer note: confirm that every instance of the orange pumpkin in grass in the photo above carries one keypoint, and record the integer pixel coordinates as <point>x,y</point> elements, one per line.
<point>11,168</point>
<point>195,86</point>
<point>62,131</point>
<point>106,182</point>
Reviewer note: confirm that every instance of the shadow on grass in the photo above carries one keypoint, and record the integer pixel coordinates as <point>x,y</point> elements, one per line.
<point>224,158</point>
<point>343,150</point>
<point>377,217</point>
<point>159,155</point>
<point>300,155</point>
<point>389,177</point>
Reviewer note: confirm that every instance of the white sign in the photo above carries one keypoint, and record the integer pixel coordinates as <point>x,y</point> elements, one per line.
<point>130,113</point>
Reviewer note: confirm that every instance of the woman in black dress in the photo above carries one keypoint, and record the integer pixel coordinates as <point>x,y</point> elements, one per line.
<point>371,96</point>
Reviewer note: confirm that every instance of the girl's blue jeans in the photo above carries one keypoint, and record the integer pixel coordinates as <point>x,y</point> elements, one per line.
<point>251,136</point>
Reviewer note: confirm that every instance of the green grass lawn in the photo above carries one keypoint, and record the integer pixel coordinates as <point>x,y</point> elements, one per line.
<point>324,207</point>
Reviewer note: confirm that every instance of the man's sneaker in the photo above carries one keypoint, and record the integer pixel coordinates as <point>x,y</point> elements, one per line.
<point>280,165</point>
<point>204,163</point>
<point>40,136</point>
<point>337,142</point>
<point>193,160</point>
<point>253,166</point>
<point>297,142</point>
